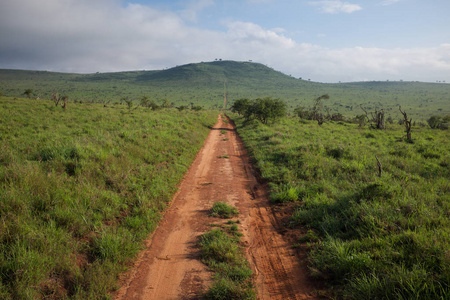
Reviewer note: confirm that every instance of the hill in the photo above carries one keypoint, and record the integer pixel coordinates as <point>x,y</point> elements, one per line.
<point>204,84</point>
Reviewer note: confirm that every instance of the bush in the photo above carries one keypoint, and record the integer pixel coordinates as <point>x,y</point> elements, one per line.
<point>434,122</point>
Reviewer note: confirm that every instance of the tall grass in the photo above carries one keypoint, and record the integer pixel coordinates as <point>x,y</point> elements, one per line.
<point>81,188</point>
<point>382,237</point>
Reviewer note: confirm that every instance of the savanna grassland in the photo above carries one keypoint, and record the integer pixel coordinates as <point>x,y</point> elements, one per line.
<point>369,236</point>
<point>205,83</point>
<point>81,188</point>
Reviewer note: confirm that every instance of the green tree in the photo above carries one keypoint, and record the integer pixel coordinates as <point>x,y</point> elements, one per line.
<point>153,105</point>
<point>317,110</point>
<point>196,107</point>
<point>266,109</point>
<point>240,106</point>
<point>129,103</point>
<point>28,92</point>
<point>303,113</point>
<point>145,101</point>
<point>165,104</point>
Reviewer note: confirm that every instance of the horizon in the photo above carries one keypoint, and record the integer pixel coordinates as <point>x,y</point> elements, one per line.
<point>221,60</point>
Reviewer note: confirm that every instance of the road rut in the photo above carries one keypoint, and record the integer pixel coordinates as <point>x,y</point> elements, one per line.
<point>170,267</point>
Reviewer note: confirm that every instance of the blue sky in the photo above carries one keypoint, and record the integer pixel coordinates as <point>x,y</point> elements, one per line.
<point>326,41</point>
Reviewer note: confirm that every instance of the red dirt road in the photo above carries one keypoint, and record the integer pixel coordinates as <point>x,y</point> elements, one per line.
<point>170,267</point>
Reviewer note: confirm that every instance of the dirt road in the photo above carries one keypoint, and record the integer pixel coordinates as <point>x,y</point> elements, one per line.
<point>170,267</point>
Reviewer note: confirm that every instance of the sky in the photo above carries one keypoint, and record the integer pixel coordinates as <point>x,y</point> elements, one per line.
<point>324,41</point>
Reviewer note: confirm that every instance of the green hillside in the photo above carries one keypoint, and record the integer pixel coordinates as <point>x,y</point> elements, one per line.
<point>204,84</point>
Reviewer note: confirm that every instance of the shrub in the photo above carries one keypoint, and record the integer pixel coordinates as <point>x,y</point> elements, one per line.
<point>434,121</point>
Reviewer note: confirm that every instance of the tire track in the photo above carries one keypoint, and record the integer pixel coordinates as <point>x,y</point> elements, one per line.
<point>170,268</point>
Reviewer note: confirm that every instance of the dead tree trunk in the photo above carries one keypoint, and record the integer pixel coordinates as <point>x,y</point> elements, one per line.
<point>380,171</point>
<point>407,125</point>
<point>379,119</point>
<point>55,98</point>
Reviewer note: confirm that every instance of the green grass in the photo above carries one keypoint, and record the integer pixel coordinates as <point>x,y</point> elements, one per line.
<point>203,84</point>
<point>223,210</point>
<point>221,252</point>
<point>81,188</point>
<point>370,237</point>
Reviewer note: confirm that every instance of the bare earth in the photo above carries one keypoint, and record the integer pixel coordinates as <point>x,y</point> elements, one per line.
<point>170,267</point>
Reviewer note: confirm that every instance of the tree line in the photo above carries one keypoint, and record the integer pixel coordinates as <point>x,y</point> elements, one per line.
<point>269,110</point>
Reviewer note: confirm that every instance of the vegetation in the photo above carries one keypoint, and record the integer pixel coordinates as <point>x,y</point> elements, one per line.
<point>220,251</point>
<point>372,234</point>
<point>28,92</point>
<point>81,188</point>
<point>223,210</point>
<point>262,109</point>
<point>203,84</point>
<point>437,122</point>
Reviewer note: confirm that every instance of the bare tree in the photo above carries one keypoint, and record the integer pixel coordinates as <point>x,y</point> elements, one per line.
<point>380,170</point>
<point>407,124</point>
<point>377,118</point>
<point>55,98</point>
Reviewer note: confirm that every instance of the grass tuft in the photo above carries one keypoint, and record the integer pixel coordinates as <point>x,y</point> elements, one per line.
<point>223,210</point>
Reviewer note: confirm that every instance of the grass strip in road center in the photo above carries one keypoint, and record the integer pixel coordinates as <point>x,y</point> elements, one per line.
<point>222,253</point>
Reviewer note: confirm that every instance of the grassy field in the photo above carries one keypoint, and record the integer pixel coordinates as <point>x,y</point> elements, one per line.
<point>80,189</point>
<point>205,83</point>
<point>370,236</point>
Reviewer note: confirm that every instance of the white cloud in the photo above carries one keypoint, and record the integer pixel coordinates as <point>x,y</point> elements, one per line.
<point>336,6</point>
<point>248,33</point>
<point>89,36</point>
<point>358,63</point>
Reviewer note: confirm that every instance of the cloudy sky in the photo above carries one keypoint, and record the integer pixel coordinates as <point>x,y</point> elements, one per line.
<point>326,41</point>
